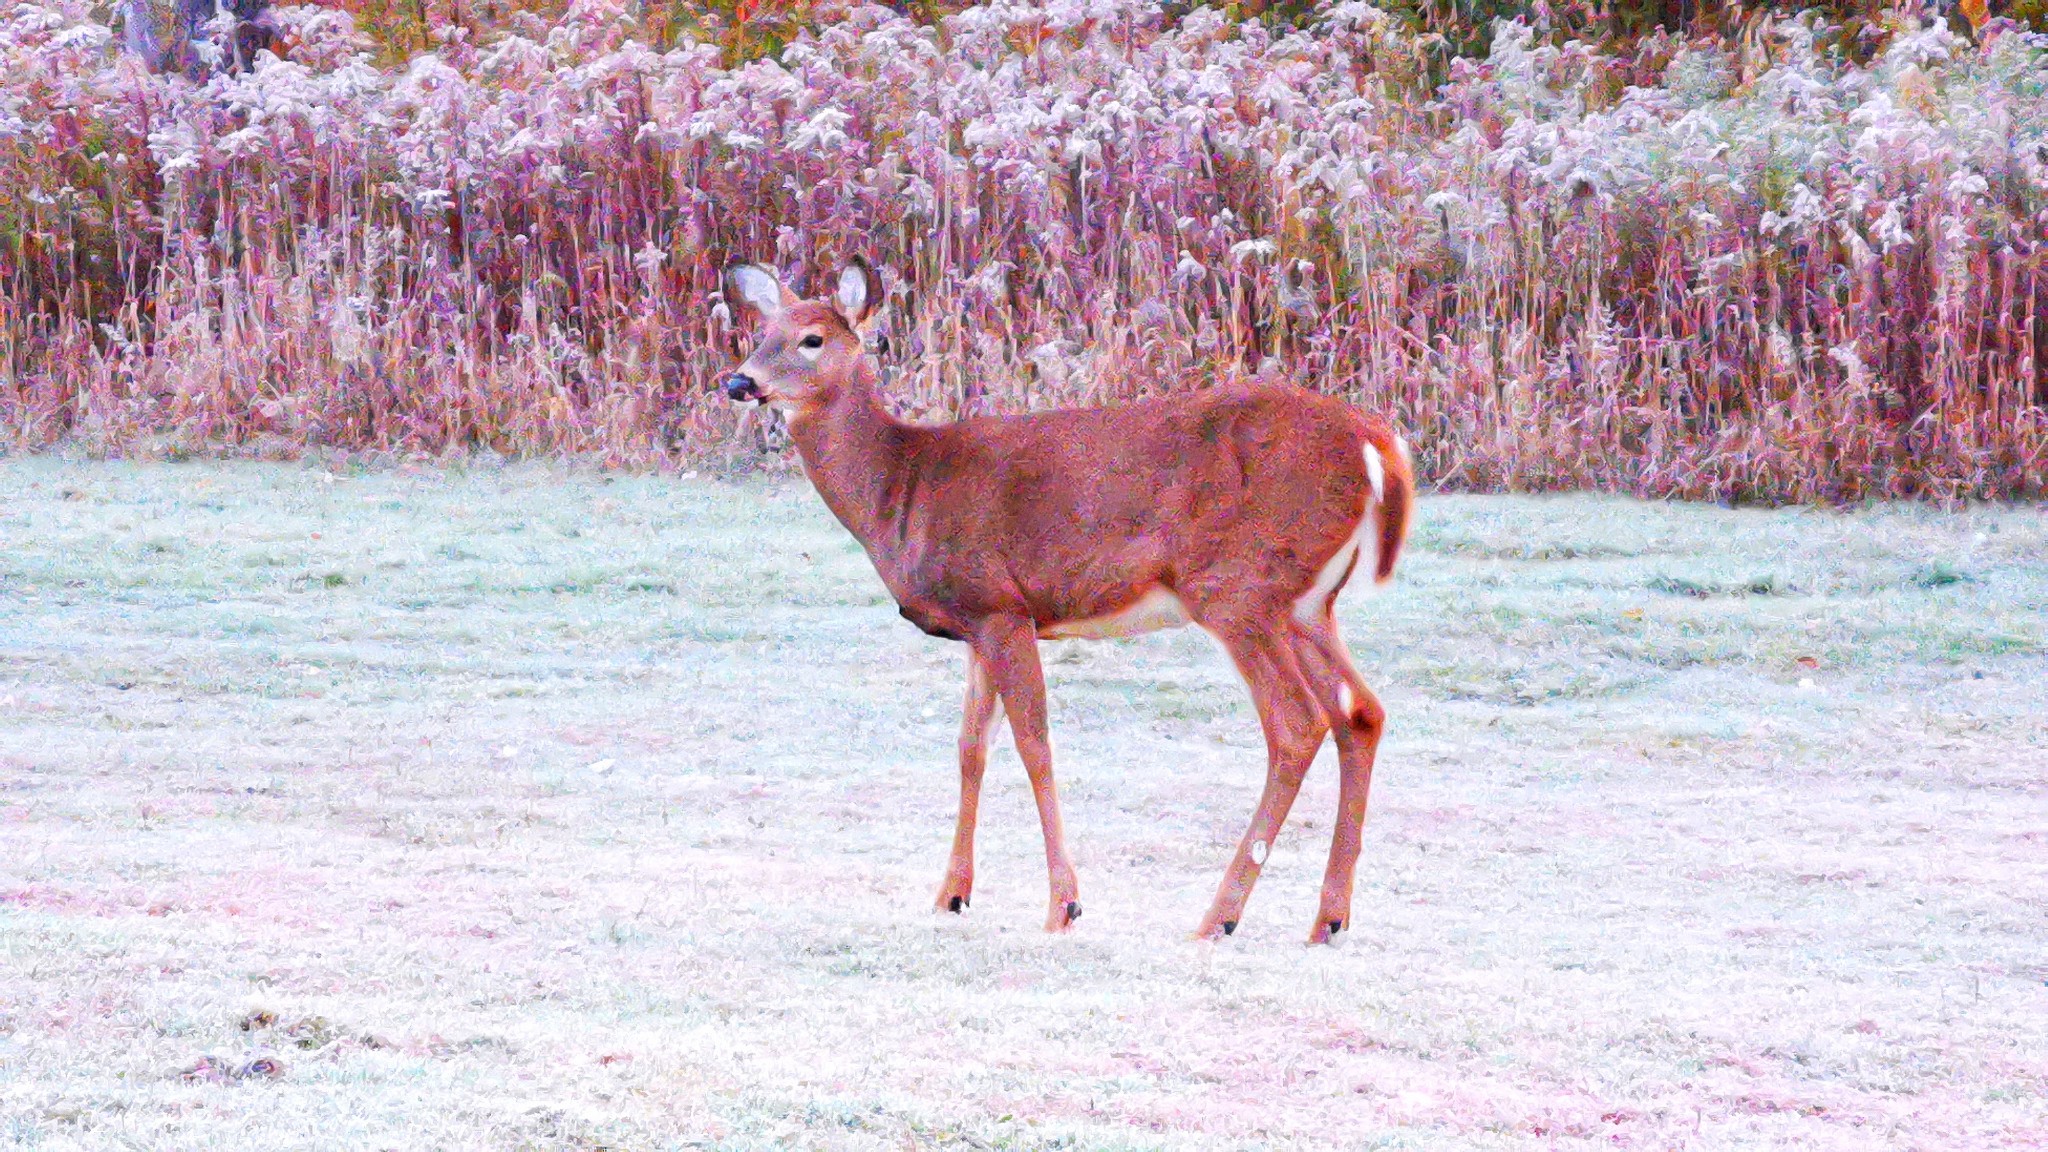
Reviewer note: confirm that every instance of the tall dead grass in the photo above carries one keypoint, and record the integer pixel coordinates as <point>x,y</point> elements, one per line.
<point>1751,273</point>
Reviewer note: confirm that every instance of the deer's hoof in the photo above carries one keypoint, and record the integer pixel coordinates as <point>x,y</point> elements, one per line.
<point>955,894</point>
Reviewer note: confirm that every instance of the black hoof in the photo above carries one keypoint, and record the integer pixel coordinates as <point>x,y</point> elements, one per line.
<point>1229,926</point>
<point>1073,911</point>
<point>1336,926</point>
<point>955,904</point>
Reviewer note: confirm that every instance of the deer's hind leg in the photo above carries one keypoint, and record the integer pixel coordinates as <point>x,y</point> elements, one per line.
<point>1356,720</point>
<point>1294,725</point>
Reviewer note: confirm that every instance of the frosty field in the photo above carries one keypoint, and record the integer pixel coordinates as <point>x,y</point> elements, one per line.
<point>534,807</point>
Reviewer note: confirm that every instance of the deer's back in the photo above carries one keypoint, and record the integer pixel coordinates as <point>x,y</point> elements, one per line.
<point>1079,512</point>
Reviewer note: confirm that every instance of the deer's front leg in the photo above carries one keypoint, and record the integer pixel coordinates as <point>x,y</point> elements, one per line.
<point>1008,646</point>
<point>977,719</point>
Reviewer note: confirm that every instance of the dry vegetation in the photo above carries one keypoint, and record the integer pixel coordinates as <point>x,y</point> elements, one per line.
<point>1804,263</point>
<point>536,808</point>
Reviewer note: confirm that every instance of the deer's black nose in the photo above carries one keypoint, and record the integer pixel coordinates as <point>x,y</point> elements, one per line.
<point>740,386</point>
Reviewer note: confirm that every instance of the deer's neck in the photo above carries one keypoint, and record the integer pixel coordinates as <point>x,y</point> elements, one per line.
<point>855,454</point>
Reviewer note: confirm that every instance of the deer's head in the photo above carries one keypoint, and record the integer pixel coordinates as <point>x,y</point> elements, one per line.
<point>808,349</point>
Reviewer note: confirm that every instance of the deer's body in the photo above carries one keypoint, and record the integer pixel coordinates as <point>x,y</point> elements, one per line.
<point>1074,518</point>
<point>1244,510</point>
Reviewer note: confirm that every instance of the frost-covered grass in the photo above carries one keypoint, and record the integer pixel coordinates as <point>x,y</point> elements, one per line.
<point>536,807</point>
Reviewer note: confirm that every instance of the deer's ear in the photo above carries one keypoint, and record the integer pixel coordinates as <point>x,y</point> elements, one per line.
<point>757,285</point>
<point>859,294</point>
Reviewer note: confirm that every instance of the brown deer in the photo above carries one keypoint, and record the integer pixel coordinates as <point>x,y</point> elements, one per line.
<point>1241,509</point>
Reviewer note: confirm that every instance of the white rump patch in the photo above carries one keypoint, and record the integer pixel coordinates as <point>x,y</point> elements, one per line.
<point>1308,608</point>
<point>1156,609</point>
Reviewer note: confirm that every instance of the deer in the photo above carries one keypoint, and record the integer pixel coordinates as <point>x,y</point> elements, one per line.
<point>1242,508</point>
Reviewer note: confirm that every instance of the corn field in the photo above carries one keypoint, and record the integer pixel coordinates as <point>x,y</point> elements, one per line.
<point>1783,267</point>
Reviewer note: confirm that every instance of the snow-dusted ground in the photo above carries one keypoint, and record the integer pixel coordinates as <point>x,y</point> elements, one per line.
<point>533,807</point>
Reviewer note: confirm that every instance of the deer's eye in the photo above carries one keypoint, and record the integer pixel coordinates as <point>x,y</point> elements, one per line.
<point>812,341</point>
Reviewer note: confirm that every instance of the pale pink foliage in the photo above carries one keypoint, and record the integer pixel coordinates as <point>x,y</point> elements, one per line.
<point>1784,275</point>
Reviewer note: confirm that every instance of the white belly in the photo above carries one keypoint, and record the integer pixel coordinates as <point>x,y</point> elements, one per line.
<point>1156,609</point>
